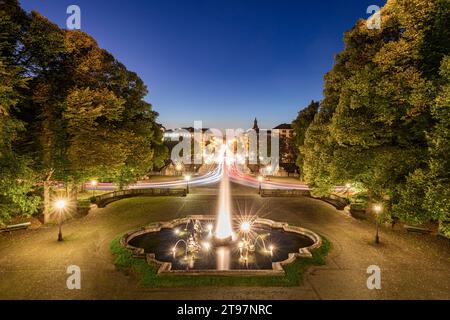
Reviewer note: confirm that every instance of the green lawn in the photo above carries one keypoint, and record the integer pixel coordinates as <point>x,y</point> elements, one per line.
<point>147,274</point>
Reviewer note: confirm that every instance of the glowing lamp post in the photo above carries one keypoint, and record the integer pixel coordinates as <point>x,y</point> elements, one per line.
<point>94,184</point>
<point>60,205</point>
<point>377,209</point>
<point>187,178</point>
<point>260,180</point>
<point>348,186</point>
<point>210,230</point>
<point>179,167</point>
<point>269,170</point>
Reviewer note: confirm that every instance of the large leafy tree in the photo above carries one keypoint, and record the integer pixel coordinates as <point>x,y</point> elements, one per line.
<point>81,114</point>
<point>379,103</point>
<point>438,194</point>
<point>319,145</point>
<point>111,129</point>
<point>43,104</point>
<point>426,195</point>
<point>16,179</point>
<point>304,119</point>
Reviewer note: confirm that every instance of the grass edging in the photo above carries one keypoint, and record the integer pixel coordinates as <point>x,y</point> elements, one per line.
<point>148,276</point>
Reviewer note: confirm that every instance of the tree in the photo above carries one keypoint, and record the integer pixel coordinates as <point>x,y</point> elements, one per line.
<point>84,112</point>
<point>111,129</point>
<point>427,192</point>
<point>43,103</point>
<point>438,194</point>
<point>16,180</point>
<point>378,106</point>
<point>300,126</point>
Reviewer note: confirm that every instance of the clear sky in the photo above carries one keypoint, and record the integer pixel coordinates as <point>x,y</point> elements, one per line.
<point>224,62</point>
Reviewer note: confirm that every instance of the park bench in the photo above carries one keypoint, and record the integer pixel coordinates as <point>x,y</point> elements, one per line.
<point>417,229</point>
<point>336,201</point>
<point>16,227</point>
<point>443,236</point>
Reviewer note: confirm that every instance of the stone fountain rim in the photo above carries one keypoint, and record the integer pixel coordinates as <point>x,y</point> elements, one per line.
<point>165,268</point>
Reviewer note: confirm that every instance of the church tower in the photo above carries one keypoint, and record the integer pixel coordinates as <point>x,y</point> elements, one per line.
<point>255,125</point>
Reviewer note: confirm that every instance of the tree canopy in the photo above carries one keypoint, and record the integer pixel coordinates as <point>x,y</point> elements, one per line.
<point>69,112</point>
<point>383,122</point>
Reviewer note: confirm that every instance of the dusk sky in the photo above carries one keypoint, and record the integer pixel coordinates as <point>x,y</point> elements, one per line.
<point>224,62</point>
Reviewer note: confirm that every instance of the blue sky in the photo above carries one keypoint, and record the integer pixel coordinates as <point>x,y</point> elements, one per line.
<point>224,62</point>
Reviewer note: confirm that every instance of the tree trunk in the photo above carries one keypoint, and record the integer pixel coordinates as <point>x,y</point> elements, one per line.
<point>47,144</point>
<point>73,198</point>
<point>47,199</point>
<point>46,202</point>
<point>369,204</point>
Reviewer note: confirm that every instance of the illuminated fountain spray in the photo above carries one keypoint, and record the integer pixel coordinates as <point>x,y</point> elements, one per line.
<point>224,230</point>
<point>224,235</point>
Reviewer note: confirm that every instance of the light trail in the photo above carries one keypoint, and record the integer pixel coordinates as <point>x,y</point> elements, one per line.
<point>214,176</point>
<point>211,177</point>
<point>251,181</point>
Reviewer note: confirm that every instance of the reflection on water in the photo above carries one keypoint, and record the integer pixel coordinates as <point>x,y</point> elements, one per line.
<point>223,258</point>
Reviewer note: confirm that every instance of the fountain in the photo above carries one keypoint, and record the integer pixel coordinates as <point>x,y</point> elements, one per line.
<point>224,230</point>
<point>221,245</point>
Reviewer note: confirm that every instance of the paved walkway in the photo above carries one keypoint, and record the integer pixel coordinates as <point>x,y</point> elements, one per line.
<point>33,264</point>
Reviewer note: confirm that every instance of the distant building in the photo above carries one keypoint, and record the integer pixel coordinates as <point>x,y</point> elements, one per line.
<point>287,147</point>
<point>285,130</point>
<point>255,125</point>
<point>285,133</point>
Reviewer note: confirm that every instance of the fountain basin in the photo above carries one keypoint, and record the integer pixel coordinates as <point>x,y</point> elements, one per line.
<point>277,244</point>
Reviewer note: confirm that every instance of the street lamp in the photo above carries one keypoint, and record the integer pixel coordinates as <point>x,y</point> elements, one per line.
<point>60,205</point>
<point>94,184</point>
<point>348,187</point>
<point>377,209</point>
<point>187,178</point>
<point>179,167</point>
<point>260,179</point>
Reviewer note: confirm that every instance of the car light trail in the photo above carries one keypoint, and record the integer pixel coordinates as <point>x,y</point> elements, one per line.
<point>214,176</point>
